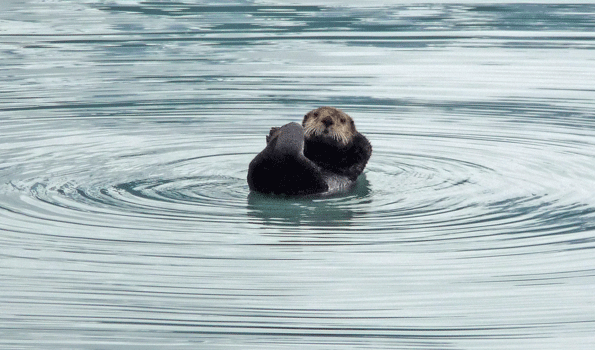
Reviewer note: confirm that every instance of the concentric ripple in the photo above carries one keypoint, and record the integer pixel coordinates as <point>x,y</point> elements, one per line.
<point>470,185</point>
<point>432,186</point>
<point>126,130</point>
<point>115,200</point>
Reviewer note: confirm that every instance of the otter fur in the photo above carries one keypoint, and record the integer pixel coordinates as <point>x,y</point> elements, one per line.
<point>324,155</point>
<point>333,143</point>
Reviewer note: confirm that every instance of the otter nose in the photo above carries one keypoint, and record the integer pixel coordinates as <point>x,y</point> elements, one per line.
<point>327,121</point>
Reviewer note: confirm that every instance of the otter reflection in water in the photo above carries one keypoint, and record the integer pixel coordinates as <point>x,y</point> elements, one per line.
<point>324,156</point>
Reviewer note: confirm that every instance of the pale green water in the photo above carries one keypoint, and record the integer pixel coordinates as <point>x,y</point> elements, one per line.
<point>126,129</point>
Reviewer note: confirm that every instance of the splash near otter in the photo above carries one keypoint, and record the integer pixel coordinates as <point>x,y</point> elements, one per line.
<point>324,155</point>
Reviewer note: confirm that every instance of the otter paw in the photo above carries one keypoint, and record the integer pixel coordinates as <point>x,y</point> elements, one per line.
<point>273,133</point>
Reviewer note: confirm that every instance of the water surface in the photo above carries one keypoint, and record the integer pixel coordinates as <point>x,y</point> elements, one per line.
<point>126,129</point>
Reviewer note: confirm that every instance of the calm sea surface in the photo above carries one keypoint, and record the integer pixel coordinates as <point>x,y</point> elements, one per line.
<point>126,129</point>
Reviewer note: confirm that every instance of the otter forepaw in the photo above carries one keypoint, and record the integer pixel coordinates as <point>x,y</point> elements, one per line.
<point>273,133</point>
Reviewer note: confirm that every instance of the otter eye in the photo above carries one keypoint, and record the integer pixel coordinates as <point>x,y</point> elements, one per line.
<point>342,120</point>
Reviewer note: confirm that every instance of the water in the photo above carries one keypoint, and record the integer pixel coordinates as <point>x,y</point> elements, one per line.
<point>126,129</point>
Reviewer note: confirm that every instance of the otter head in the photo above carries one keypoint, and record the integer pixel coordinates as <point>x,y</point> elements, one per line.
<point>329,123</point>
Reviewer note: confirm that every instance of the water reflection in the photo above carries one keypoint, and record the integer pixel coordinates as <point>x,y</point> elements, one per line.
<point>329,211</point>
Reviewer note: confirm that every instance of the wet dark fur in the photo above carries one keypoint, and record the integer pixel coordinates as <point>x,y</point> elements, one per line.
<point>333,143</point>
<point>349,160</point>
<point>324,156</point>
<point>287,172</point>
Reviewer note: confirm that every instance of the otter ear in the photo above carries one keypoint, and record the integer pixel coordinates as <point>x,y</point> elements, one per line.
<point>352,126</point>
<point>306,117</point>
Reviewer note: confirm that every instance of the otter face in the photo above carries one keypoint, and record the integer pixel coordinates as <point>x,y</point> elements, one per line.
<point>329,122</point>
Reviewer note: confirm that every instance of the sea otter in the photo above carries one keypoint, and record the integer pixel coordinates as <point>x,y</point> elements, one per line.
<point>325,156</point>
<point>333,143</point>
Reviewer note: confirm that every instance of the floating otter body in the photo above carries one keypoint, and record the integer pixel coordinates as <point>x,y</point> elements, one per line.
<point>324,156</point>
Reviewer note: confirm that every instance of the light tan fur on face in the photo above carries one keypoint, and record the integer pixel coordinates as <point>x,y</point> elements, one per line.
<point>329,122</point>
